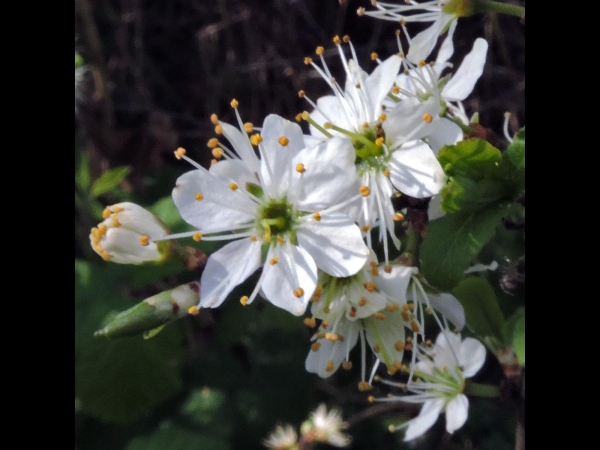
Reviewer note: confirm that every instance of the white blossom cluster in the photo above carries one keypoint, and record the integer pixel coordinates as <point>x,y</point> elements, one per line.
<point>308,211</point>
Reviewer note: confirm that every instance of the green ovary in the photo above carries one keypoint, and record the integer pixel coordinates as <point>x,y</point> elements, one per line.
<point>276,218</point>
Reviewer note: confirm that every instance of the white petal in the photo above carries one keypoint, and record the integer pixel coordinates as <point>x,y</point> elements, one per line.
<point>425,420</point>
<point>457,412</point>
<point>330,173</point>
<point>463,81</point>
<point>226,268</point>
<point>395,283</point>
<point>422,44</point>
<point>220,205</point>
<point>236,171</point>
<point>445,132</point>
<point>335,351</point>
<point>471,356</point>
<point>124,247</point>
<point>405,121</point>
<point>242,146</point>
<point>379,83</point>
<point>385,334</point>
<point>335,243</point>
<point>277,158</point>
<point>279,283</point>
<point>435,208</point>
<point>447,48</point>
<point>415,171</point>
<point>331,110</point>
<point>450,308</point>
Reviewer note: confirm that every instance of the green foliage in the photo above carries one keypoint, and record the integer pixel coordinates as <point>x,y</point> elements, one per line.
<point>481,307</point>
<point>514,157</point>
<point>514,334</point>
<point>109,180</point>
<point>454,240</point>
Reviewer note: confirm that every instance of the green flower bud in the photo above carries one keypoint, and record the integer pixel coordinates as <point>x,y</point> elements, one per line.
<point>151,315</point>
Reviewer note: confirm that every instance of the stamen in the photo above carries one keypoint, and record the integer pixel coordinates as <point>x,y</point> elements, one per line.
<point>398,217</point>
<point>217,153</point>
<point>233,186</point>
<point>274,260</point>
<point>214,119</point>
<point>219,129</point>
<point>317,216</point>
<point>308,60</point>
<point>145,240</point>
<point>427,117</point>
<point>311,323</point>
<point>179,152</point>
<point>364,191</point>
<point>248,127</point>
<point>300,168</point>
<point>299,292</point>
<point>197,236</point>
<point>329,366</point>
<point>374,56</point>
<point>364,386</point>
<point>244,300</point>
<point>234,103</point>
<point>380,316</point>
<point>255,139</point>
<point>347,365</point>
<point>212,143</point>
<point>315,346</point>
<point>194,311</point>
<point>337,40</point>
<point>283,141</point>
<point>320,50</point>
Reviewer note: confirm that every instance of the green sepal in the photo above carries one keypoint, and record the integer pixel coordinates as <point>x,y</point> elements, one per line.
<point>154,332</point>
<point>254,189</point>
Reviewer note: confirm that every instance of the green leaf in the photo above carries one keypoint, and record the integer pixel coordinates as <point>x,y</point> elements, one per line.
<point>514,159</point>
<point>471,158</point>
<point>166,211</point>
<point>481,307</point>
<point>82,169</point>
<point>174,436</point>
<point>120,381</point>
<point>465,195</point>
<point>109,180</point>
<point>453,240</point>
<point>514,334</point>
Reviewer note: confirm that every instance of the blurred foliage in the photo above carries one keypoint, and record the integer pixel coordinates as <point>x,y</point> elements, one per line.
<point>148,76</point>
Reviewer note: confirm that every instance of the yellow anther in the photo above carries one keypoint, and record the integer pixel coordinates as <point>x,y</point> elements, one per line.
<point>386,172</point>
<point>320,50</point>
<point>179,152</point>
<point>329,366</point>
<point>352,312</point>
<point>364,191</point>
<point>398,217</point>
<point>411,306</point>
<point>361,11</point>
<point>370,286</point>
<point>283,141</point>
<point>280,240</point>
<point>214,119</point>
<point>422,63</point>
<point>115,220</point>
<point>379,141</point>
<point>311,323</point>
<point>234,103</point>
<point>331,337</point>
<point>362,301</point>
<point>305,115</point>
<point>217,152</point>
<point>194,311</point>
<point>244,300</point>
<point>327,125</point>
<point>376,349</point>
<point>145,240</point>
<point>375,271</point>
<point>218,129</point>
<point>315,346</point>
<point>274,260</point>
<point>346,38</point>
<point>428,310</point>
<point>364,386</point>
<point>347,365</point>
<point>405,316</point>
<point>256,139</point>
<point>399,346</point>
<point>370,398</point>
<point>408,340</point>
<point>396,90</point>
<point>337,40</point>
<point>380,316</point>
<point>325,324</point>
<point>248,127</point>
<point>387,269</point>
<point>301,93</point>
<point>252,238</point>
<point>300,168</point>
<point>373,264</point>
<point>233,186</point>
<point>366,228</point>
<point>197,236</point>
<point>398,365</point>
<point>317,216</point>
<point>307,60</point>
<point>393,307</point>
<point>118,209</point>
<point>374,56</point>
<point>326,310</point>
<point>102,228</point>
<point>212,143</point>
<point>96,233</point>
<point>382,117</point>
<point>213,162</point>
<point>299,117</point>
<point>299,292</point>
<point>427,117</point>
<point>320,335</point>
<point>105,256</point>
<point>106,213</point>
<point>414,326</point>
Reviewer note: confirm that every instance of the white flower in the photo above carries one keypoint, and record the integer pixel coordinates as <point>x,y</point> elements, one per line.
<point>389,151</point>
<point>423,83</point>
<point>280,211</point>
<point>324,426</point>
<point>283,438</point>
<point>443,370</point>
<point>443,14</point>
<point>125,236</point>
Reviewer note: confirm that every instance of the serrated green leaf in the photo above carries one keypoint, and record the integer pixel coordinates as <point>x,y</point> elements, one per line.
<point>453,240</point>
<point>109,180</point>
<point>481,307</point>
<point>472,158</point>
<point>120,381</point>
<point>465,195</point>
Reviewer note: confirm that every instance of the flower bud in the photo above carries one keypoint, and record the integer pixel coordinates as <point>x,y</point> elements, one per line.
<point>125,236</point>
<point>151,315</point>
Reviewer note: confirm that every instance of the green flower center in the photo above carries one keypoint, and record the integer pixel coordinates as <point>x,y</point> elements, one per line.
<point>276,218</point>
